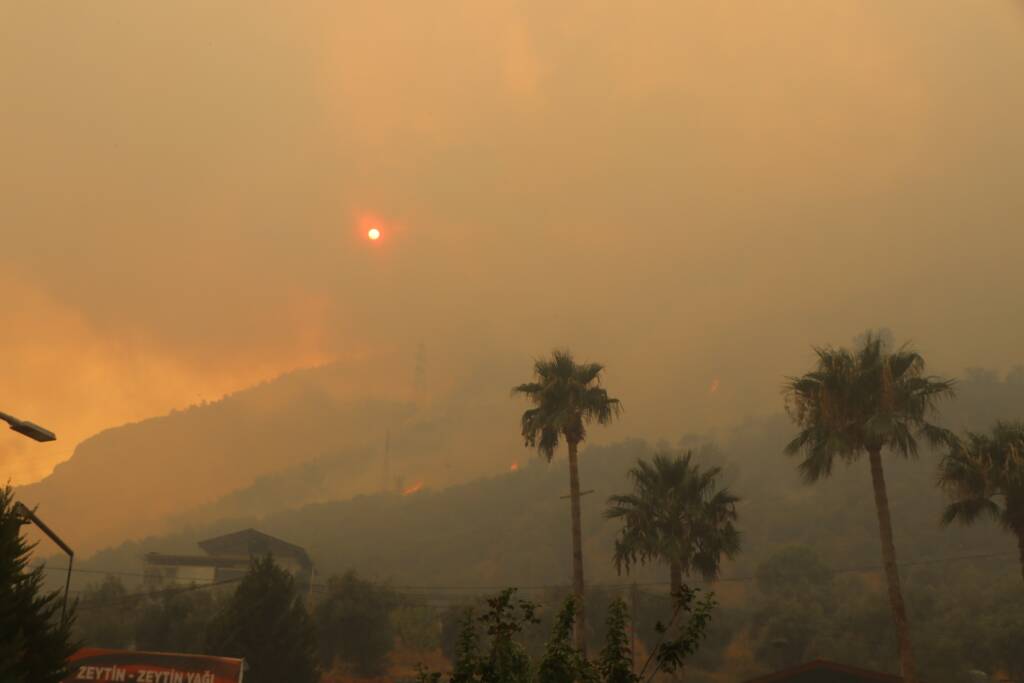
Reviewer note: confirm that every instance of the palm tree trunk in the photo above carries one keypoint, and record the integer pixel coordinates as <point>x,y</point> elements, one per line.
<point>899,612</point>
<point>577,548</point>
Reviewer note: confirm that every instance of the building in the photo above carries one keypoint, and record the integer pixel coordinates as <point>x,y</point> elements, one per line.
<point>821,671</point>
<point>227,558</point>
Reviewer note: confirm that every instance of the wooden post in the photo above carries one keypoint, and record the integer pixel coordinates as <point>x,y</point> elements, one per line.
<point>633,597</point>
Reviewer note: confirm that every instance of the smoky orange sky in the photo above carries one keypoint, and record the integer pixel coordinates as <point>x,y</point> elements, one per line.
<point>690,192</point>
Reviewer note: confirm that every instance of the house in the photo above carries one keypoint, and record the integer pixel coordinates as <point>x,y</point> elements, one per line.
<point>228,558</point>
<point>821,671</point>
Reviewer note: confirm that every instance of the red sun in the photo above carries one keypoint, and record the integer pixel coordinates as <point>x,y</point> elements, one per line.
<point>373,233</point>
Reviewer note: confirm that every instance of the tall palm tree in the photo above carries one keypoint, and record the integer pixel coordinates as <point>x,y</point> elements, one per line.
<point>566,396</point>
<point>678,515</point>
<point>984,474</point>
<point>865,401</point>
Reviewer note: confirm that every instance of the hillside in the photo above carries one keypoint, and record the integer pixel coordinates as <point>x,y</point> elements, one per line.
<point>311,435</point>
<point>513,528</point>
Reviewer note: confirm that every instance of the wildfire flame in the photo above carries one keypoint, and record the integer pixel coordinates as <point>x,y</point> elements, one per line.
<point>514,467</point>
<point>412,489</point>
<point>714,385</point>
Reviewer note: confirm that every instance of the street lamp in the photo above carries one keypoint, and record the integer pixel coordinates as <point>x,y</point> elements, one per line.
<point>24,516</point>
<point>29,429</point>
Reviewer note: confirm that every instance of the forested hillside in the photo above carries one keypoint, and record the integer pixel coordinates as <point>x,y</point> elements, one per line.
<point>312,435</point>
<point>512,528</point>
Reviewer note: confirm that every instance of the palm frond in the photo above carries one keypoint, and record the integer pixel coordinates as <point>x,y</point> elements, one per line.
<point>565,397</point>
<point>968,511</point>
<point>676,513</point>
<point>855,402</point>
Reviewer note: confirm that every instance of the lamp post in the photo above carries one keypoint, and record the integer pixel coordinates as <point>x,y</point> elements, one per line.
<point>25,516</point>
<point>29,429</point>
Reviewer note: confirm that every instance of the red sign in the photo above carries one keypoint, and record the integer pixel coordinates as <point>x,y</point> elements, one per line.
<point>94,664</point>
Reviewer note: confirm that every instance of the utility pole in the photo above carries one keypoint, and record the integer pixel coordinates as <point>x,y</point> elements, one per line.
<point>582,493</point>
<point>633,596</point>
<point>387,460</point>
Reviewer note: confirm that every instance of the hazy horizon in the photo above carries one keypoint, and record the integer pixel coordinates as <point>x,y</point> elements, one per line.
<point>692,194</point>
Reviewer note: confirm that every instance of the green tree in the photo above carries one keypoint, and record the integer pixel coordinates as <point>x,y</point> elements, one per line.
<point>793,571</point>
<point>355,625</point>
<point>504,620</point>
<point>616,662</point>
<point>176,620</point>
<point>676,514</point>
<point>793,606</point>
<point>265,622</point>
<point>567,396</point>
<point>508,662</point>
<point>689,624</point>
<point>103,618</point>
<point>866,401</point>
<point>416,626</point>
<point>34,643</point>
<point>562,662</point>
<point>466,662</point>
<point>984,475</point>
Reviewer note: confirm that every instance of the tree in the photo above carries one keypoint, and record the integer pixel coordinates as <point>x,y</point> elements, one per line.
<point>176,620</point>
<point>567,396</point>
<point>508,662</point>
<point>866,401</point>
<point>265,622</point>
<point>416,626</point>
<point>984,474</point>
<point>792,605</point>
<point>34,643</point>
<point>101,616</point>
<point>563,663</point>
<point>505,618</point>
<point>354,624</point>
<point>466,662</point>
<point>616,662</point>
<point>689,623</point>
<point>676,514</point>
<point>794,571</point>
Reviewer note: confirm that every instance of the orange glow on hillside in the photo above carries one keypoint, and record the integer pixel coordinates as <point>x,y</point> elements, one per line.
<point>514,467</point>
<point>413,489</point>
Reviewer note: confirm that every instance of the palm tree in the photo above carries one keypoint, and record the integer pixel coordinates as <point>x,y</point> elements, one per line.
<point>676,514</point>
<point>864,401</point>
<point>566,397</point>
<point>984,474</point>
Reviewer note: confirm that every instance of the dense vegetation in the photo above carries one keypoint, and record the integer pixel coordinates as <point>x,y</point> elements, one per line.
<point>506,660</point>
<point>780,602</point>
<point>265,622</point>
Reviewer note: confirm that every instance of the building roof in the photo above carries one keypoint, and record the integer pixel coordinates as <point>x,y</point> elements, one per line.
<point>254,543</point>
<point>821,671</point>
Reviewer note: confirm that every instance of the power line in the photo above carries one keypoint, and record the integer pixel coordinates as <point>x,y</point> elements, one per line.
<point>322,587</point>
<point>730,579</point>
<point>126,599</point>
